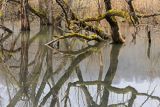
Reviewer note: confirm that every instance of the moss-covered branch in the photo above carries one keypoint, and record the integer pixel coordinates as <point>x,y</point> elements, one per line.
<point>36,12</point>
<point>134,18</point>
<point>77,35</point>
<point>110,13</point>
<point>116,37</point>
<point>119,13</point>
<point>71,16</point>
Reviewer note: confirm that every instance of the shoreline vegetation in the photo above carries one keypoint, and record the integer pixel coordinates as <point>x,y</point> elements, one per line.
<point>99,18</point>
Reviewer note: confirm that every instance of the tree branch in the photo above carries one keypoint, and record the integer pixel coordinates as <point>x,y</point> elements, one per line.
<point>147,15</point>
<point>70,15</point>
<point>37,13</point>
<point>133,17</point>
<point>109,13</point>
<point>6,29</point>
<point>77,35</point>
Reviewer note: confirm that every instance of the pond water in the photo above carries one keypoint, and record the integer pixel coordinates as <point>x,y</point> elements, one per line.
<point>79,75</point>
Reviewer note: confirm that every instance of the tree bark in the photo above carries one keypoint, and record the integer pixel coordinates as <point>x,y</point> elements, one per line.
<point>71,16</point>
<point>117,38</point>
<point>132,12</point>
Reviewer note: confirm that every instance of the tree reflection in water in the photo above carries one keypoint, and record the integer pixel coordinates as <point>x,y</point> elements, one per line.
<point>38,78</point>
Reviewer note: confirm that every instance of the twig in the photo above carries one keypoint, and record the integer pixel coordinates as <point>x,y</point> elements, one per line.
<point>6,29</point>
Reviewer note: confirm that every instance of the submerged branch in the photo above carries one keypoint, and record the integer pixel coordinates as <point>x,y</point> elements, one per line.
<point>77,35</point>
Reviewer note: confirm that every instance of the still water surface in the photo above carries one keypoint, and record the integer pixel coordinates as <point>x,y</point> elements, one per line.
<point>77,75</point>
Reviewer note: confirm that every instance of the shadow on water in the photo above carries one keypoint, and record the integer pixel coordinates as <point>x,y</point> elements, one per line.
<point>33,75</point>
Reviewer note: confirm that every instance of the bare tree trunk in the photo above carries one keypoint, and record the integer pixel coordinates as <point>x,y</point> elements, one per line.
<point>117,38</point>
<point>132,12</point>
<point>25,25</point>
